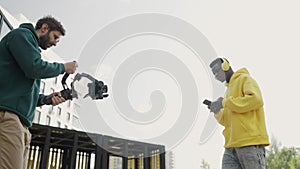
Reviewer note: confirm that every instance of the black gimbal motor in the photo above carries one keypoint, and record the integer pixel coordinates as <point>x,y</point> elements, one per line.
<point>97,89</point>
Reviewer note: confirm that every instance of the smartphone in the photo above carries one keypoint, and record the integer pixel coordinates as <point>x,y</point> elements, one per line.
<point>207,102</point>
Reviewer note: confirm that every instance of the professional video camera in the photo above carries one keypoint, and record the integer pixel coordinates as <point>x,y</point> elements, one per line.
<point>96,89</point>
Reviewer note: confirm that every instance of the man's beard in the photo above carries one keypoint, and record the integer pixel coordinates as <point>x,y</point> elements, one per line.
<point>44,41</point>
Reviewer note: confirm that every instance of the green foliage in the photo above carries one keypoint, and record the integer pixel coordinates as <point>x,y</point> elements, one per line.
<point>204,165</point>
<point>282,158</point>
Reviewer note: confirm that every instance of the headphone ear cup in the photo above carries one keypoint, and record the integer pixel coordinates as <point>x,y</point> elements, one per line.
<point>225,65</point>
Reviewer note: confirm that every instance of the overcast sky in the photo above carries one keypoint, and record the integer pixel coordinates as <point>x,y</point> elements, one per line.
<point>262,36</point>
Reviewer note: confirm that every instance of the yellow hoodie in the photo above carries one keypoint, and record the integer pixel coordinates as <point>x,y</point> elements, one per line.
<point>243,114</point>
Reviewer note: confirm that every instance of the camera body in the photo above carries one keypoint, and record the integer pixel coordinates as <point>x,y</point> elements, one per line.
<point>96,90</point>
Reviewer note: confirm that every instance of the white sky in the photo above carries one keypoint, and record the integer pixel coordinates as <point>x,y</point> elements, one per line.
<point>263,36</point>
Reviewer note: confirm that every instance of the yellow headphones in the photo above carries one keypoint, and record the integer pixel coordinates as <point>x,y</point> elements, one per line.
<point>225,65</point>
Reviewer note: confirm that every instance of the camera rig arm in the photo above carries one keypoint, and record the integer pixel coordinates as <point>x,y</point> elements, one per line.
<point>96,89</point>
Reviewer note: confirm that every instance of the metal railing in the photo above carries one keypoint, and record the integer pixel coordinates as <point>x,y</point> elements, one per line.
<point>3,20</point>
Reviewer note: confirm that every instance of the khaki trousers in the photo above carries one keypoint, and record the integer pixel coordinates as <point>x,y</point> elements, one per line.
<point>14,142</point>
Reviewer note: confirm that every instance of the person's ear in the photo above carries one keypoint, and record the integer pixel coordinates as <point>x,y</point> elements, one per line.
<point>44,28</point>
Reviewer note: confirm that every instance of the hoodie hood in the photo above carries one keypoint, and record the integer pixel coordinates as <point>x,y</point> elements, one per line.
<point>30,27</point>
<point>237,74</point>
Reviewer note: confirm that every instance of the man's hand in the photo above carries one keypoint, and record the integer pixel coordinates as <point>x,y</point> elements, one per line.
<point>216,106</point>
<point>70,67</point>
<point>57,98</point>
<point>53,99</point>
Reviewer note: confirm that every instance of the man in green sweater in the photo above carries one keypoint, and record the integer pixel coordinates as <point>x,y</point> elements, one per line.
<point>241,112</point>
<point>21,68</point>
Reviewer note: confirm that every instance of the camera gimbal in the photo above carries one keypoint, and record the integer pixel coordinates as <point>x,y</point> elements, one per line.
<point>97,89</point>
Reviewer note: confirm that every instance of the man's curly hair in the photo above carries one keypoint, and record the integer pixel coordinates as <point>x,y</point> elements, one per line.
<point>52,23</point>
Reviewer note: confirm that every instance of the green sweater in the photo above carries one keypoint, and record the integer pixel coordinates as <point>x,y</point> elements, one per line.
<point>21,69</point>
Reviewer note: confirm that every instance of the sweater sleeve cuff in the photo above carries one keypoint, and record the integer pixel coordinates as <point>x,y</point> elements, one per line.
<point>62,68</point>
<point>224,102</point>
<point>40,100</point>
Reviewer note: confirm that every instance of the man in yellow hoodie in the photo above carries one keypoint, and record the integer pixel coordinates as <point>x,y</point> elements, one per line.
<point>241,113</point>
